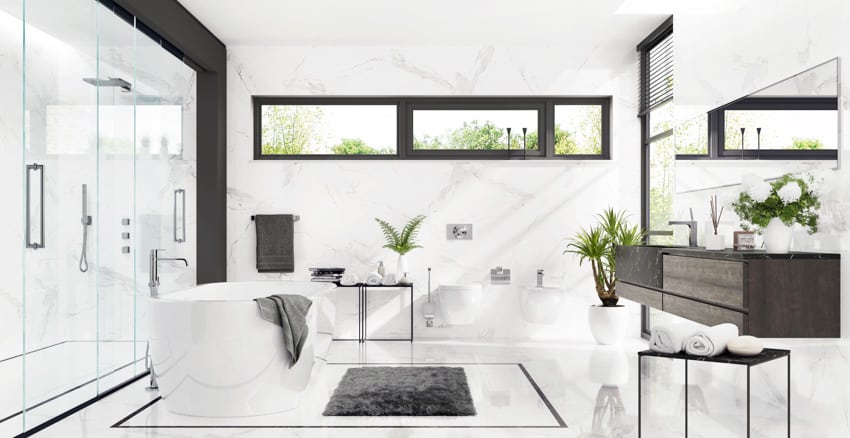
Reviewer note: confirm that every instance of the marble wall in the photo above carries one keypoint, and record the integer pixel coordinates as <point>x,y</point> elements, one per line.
<point>763,42</point>
<point>522,212</point>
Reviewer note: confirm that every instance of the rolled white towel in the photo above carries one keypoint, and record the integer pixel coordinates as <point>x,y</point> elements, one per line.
<point>711,341</point>
<point>670,338</point>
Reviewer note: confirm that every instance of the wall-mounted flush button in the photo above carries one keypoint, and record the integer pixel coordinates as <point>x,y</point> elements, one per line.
<point>125,221</point>
<point>125,236</point>
<point>459,231</point>
<point>125,250</point>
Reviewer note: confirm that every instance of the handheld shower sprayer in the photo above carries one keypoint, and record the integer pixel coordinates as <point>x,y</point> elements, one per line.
<point>85,220</point>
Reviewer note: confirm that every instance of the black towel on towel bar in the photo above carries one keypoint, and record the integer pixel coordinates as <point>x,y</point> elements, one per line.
<point>275,243</point>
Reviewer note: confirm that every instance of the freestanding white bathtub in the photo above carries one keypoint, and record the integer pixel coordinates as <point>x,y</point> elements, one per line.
<point>214,356</point>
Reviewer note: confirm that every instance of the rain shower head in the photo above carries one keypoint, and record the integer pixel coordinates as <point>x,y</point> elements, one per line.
<point>111,82</point>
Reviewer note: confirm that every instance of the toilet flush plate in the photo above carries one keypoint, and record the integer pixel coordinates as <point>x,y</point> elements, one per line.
<point>459,231</point>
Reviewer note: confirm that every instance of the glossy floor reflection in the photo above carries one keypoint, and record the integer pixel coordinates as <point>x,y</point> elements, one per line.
<point>593,389</point>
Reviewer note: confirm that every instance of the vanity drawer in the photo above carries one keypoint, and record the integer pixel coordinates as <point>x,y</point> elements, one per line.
<point>717,281</point>
<point>647,297</point>
<point>703,313</point>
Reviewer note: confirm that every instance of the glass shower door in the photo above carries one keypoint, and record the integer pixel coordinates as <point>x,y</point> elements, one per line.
<point>11,225</point>
<point>165,173</point>
<point>116,94</point>
<point>59,146</point>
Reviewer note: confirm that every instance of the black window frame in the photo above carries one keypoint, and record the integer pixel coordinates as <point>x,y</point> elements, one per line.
<point>646,139</point>
<point>406,105</point>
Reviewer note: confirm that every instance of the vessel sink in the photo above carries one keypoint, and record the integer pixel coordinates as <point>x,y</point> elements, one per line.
<point>541,305</point>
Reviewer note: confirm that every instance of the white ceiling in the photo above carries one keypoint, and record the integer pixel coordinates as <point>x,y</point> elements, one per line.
<point>603,24</point>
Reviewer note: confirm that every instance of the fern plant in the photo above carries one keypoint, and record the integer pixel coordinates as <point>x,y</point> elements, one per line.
<point>404,241</point>
<point>598,245</point>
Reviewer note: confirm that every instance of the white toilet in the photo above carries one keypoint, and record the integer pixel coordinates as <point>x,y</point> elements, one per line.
<point>459,303</point>
<point>541,305</point>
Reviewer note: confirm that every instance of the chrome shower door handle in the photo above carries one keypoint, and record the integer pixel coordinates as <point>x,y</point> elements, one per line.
<point>35,167</point>
<point>181,193</point>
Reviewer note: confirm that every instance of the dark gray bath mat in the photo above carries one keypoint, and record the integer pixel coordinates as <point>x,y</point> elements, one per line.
<point>407,391</point>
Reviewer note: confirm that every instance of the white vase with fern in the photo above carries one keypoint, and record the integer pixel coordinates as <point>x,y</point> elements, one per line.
<point>402,242</point>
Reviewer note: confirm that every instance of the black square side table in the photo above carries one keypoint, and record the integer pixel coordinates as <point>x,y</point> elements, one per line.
<point>362,310</point>
<point>767,355</point>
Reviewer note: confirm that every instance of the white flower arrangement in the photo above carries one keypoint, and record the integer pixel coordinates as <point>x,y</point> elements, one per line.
<point>759,191</point>
<point>789,198</point>
<point>789,193</point>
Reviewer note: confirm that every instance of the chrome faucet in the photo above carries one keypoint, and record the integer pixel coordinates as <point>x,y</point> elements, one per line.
<point>153,283</point>
<point>692,226</point>
<point>539,278</point>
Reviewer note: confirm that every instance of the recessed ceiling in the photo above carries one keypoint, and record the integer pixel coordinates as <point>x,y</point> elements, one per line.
<point>600,23</point>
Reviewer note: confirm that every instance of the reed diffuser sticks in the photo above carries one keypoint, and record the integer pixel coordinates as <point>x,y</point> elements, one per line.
<point>715,214</point>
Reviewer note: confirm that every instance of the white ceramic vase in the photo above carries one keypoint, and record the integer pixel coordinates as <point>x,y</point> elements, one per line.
<point>401,267</point>
<point>715,242</point>
<point>777,237</point>
<point>608,324</point>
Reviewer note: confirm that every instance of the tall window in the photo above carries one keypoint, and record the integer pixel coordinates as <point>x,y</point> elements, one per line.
<point>657,141</point>
<point>432,128</point>
<point>656,115</point>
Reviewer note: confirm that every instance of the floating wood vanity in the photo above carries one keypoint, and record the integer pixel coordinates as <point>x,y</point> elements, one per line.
<point>795,295</point>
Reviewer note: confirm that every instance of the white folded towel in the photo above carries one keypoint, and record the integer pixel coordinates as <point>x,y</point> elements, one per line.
<point>711,341</point>
<point>670,338</point>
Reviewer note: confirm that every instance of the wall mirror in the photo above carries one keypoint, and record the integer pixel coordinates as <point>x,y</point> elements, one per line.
<point>794,119</point>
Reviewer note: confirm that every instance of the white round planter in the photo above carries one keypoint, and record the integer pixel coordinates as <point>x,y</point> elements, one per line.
<point>608,324</point>
<point>777,237</point>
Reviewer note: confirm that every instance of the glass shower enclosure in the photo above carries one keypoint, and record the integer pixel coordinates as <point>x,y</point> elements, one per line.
<point>97,140</point>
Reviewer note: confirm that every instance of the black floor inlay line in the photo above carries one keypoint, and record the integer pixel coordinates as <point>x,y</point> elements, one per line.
<point>542,396</point>
<point>137,411</point>
<point>68,391</point>
<point>561,424</point>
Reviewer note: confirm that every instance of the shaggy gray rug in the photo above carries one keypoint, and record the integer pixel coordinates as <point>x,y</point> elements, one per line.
<point>408,391</point>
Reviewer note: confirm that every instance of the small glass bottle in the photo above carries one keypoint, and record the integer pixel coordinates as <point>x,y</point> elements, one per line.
<point>381,270</point>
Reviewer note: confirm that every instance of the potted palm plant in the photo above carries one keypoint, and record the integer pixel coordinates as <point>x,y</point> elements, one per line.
<point>402,242</point>
<point>598,245</point>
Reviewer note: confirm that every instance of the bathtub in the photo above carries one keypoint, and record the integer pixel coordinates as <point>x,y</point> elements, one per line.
<point>213,355</point>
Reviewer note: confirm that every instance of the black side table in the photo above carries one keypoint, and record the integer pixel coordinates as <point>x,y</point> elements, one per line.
<point>362,310</point>
<point>769,354</point>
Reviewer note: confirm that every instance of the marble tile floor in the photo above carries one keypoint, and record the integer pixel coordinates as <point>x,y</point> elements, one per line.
<point>60,376</point>
<point>592,389</point>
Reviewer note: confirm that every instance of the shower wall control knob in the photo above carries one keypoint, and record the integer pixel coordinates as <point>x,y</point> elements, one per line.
<point>125,236</point>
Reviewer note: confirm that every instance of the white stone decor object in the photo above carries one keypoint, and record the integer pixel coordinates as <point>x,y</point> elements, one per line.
<point>745,346</point>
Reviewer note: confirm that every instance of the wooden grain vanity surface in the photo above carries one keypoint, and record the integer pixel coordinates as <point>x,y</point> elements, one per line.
<point>716,281</point>
<point>703,313</point>
<point>642,295</point>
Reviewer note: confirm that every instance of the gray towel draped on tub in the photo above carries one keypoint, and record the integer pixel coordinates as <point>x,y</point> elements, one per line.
<point>275,243</point>
<point>290,313</point>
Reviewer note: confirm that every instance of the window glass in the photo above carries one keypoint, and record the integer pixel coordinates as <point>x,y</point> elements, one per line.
<point>329,130</point>
<point>662,167</point>
<point>578,129</point>
<point>467,130</point>
<point>781,129</point>
<point>692,136</point>
<point>661,119</point>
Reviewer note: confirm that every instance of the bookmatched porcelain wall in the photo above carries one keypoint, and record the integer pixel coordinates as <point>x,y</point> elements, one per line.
<point>522,212</point>
<point>763,42</point>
